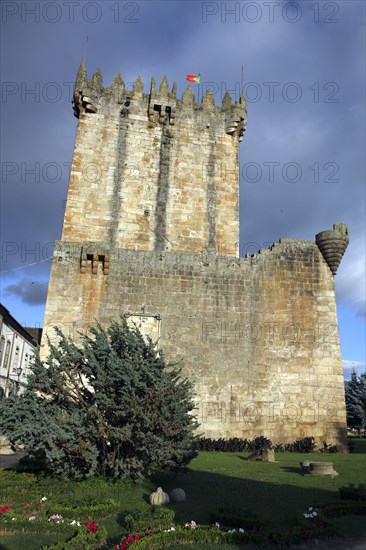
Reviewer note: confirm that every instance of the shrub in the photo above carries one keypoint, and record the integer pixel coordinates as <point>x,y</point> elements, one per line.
<point>304,445</point>
<point>328,448</point>
<point>353,492</point>
<point>236,445</point>
<point>262,442</point>
<point>110,407</point>
<point>232,445</point>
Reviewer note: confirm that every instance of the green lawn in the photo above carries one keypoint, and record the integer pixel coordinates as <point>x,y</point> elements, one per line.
<point>275,491</point>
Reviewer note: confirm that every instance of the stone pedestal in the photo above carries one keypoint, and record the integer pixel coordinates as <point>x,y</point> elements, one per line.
<point>268,455</point>
<point>318,468</point>
<point>322,469</point>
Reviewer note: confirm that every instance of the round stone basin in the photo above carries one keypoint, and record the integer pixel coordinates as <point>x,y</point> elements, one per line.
<point>322,469</point>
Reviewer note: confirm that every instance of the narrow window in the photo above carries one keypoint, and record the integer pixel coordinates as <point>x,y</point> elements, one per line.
<point>7,354</point>
<point>16,359</point>
<point>2,349</point>
<point>26,361</point>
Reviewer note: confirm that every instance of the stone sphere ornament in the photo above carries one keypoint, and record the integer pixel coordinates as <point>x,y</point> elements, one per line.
<point>177,495</point>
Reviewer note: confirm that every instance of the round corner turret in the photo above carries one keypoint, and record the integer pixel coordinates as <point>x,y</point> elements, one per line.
<point>332,243</point>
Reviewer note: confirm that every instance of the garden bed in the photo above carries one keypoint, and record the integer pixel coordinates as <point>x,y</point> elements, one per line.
<point>277,493</point>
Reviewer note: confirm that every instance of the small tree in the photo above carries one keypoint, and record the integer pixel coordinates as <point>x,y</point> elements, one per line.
<point>109,407</point>
<point>355,391</point>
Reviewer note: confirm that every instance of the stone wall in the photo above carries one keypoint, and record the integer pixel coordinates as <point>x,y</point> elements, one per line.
<point>257,336</point>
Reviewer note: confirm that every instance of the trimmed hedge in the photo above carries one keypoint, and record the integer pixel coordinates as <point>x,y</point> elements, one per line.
<point>182,535</point>
<point>213,535</point>
<point>227,517</point>
<point>236,445</point>
<point>345,508</point>
<point>155,518</point>
<point>82,541</point>
<point>105,509</point>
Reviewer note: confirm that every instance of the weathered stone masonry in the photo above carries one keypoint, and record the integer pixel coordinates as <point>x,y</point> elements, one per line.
<point>152,230</point>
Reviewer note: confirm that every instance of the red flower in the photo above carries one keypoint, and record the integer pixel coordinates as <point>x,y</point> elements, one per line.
<point>40,502</point>
<point>130,540</point>
<point>25,504</point>
<point>92,526</point>
<point>4,509</point>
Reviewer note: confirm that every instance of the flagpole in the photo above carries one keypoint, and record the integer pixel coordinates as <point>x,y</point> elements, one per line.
<point>199,87</point>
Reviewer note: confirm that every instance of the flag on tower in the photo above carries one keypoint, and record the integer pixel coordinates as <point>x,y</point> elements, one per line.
<point>194,78</point>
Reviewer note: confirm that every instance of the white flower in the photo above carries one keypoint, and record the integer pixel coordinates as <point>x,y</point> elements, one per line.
<point>74,522</point>
<point>12,519</point>
<point>241,530</point>
<point>43,499</point>
<point>311,513</point>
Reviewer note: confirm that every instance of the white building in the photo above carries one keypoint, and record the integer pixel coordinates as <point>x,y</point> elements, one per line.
<point>16,351</point>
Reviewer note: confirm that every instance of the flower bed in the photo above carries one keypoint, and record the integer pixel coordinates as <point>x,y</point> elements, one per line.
<point>311,526</point>
<point>30,516</point>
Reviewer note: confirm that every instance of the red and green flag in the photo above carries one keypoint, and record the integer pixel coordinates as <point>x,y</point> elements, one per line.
<point>194,78</point>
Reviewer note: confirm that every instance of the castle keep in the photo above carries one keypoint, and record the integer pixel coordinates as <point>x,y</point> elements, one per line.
<point>151,230</point>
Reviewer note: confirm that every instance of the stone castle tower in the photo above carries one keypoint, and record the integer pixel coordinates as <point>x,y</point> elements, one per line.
<point>151,230</point>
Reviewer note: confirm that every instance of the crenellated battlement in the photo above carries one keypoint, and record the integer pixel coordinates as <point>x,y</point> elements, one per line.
<point>167,167</point>
<point>160,106</point>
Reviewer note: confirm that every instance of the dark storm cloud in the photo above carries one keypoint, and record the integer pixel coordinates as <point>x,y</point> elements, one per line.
<point>318,137</point>
<point>30,292</point>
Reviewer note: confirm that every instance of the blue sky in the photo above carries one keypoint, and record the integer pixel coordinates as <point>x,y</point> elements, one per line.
<point>304,78</point>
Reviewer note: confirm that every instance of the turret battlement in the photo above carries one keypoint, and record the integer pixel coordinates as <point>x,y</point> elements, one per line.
<point>160,105</point>
<point>164,170</point>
